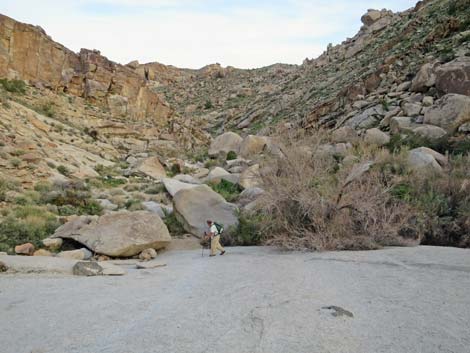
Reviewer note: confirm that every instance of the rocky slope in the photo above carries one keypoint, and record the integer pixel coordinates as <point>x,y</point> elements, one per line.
<point>372,69</point>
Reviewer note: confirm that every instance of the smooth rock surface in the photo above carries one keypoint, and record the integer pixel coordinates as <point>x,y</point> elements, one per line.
<point>401,299</point>
<point>173,186</point>
<point>193,207</point>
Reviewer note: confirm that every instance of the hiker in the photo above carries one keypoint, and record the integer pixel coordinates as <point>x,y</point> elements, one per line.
<point>215,230</point>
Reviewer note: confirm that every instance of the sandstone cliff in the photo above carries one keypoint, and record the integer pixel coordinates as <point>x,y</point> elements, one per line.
<point>28,53</point>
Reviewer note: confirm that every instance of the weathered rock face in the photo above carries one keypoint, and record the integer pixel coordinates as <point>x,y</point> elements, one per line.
<point>28,53</point>
<point>454,77</point>
<point>449,112</point>
<point>193,207</point>
<point>225,143</point>
<point>117,234</point>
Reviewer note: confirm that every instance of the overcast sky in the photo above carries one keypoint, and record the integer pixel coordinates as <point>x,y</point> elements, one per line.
<point>194,33</point>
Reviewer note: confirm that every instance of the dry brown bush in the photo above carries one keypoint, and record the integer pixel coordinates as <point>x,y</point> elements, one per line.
<point>312,203</point>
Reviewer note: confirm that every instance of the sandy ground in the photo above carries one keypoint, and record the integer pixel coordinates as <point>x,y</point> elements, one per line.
<point>250,300</point>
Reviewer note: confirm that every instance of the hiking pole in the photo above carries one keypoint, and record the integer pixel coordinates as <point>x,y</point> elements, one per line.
<point>202,245</point>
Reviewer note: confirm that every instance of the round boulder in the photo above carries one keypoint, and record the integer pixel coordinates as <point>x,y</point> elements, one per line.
<point>225,143</point>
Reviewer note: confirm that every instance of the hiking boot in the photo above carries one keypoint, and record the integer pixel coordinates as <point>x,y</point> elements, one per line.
<point>223,252</point>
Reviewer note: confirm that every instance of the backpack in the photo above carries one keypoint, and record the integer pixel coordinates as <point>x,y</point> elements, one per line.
<point>219,227</point>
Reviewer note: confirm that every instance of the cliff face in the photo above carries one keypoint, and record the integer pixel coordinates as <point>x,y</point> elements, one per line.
<point>28,53</point>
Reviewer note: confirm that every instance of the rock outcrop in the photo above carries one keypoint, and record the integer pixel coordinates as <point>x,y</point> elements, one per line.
<point>28,53</point>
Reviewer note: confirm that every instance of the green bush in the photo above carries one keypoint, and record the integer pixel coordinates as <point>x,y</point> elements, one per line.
<point>13,86</point>
<point>228,190</point>
<point>110,182</point>
<point>248,233</point>
<point>231,155</point>
<point>26,224</point>
<point>174,226</point>
<point>73,194</point>
<point>15,162</point>
<point>63,170</point>
<point>155,189</point>
<point>6,186</point>
<point>67,210</point>
<point>134,205</point>
<point>208,105</point>
<point>47,109</point>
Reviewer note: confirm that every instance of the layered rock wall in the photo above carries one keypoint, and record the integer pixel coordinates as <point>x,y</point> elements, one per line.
<point>28,53</point>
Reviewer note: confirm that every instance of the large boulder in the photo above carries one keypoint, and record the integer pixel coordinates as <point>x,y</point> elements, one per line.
<point>376,137</point>
<point>419,160</point>
<point>151,167</point>
<point>454,77</point>
<point>225,143</point>
<point>173,186</point>
<point>400,124</point>
<point>120,234</point>
<point>430,132</point>
<point>449,112</point>
<point>253,145</point>
<point>344,134</point>
<point>424,79</point>
<point>193,207</point>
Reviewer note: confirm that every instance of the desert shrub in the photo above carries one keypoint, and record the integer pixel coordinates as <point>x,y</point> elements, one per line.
<point>134,205</point>
<point>211,163</point>
<point>231,155</point>
<point>208,104</point>
<point>175,169</point>
<point>63,170</point>
<point>110,182</point>
<point>228,190</point>
<point>13,86</point>
<point>5,186</point>
<point>199,155</point>
<point>155,189</point>
<point>48,109</point>
<point>309,203</point>
<point>26,224</point>
<point>444,200</point>
<point>67,210</point>
<point>15,162</point>
<point>248,233</point>
<point>174,225</point>
<point>75,194</point>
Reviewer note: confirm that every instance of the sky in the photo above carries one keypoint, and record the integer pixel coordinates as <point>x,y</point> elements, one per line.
<point>194,33</point>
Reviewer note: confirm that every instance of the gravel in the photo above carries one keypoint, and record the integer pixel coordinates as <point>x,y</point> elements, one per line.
<point>250,300</point>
